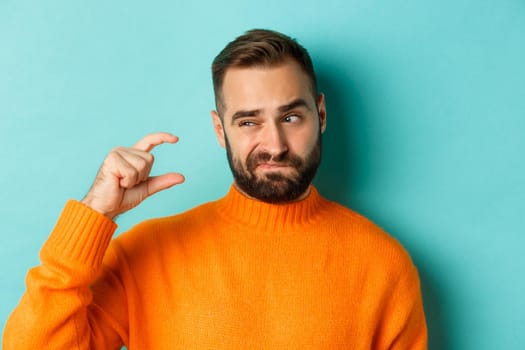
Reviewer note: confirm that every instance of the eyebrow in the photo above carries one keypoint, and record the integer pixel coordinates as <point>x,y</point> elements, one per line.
<point>299,102</point>
<point>242,114</point>
<point>294,104</point>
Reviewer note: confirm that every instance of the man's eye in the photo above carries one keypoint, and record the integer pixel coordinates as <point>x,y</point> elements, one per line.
<point>246,123</point>
<point>291,119</point>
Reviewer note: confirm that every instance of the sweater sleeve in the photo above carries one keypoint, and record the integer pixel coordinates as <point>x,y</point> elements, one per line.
<point>56,311</point>
<point>403,325</point>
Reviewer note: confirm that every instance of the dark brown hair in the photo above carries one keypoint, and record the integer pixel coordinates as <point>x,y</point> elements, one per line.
<point>259,48</point>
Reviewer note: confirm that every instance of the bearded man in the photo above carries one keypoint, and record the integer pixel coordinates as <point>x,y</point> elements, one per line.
<point>272,265</point>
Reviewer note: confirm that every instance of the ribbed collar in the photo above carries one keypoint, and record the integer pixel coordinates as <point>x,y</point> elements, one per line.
<point>258,215</point>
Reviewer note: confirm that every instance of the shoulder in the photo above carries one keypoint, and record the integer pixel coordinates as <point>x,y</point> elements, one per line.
<point>369,243</point>
<point>158,233</point>
<point>346,220</point>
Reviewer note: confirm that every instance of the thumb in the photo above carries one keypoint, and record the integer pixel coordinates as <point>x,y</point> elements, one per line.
<point>162,182</point>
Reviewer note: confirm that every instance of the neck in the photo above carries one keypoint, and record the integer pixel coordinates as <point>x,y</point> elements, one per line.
<point>259,216</point>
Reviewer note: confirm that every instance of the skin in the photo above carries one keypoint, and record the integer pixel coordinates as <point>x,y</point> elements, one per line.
<point>124,180</point>
<point>254,118</point>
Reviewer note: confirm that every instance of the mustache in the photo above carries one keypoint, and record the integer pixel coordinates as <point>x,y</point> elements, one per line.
<point>285,159</point>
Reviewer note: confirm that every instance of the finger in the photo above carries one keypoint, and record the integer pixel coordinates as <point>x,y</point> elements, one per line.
<point>140,160</point>
<point>127,174</point>
<point>162,182</point>
<point>148,142</point>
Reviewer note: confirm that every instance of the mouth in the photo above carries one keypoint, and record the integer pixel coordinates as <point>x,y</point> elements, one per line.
<point>283,169</point>
<point>272,166</point>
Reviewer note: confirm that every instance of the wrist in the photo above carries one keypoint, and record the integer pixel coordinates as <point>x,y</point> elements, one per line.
<point>90,203</point>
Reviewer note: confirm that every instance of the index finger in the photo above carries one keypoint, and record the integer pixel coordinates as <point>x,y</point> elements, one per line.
<point>148,142</point>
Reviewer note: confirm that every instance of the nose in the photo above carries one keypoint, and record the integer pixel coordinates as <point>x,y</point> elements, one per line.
<point>273,140</point>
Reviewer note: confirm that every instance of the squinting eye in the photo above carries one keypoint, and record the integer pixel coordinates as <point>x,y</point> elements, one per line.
<point>246,123</point>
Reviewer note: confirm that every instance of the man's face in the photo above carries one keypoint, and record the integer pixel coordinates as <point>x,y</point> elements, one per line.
<point>271,127</point>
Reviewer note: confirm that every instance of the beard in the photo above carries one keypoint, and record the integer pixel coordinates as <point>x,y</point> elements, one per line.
<point>275,187</point>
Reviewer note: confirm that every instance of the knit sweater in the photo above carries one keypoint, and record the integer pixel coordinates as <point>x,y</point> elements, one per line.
<point>235,273</point>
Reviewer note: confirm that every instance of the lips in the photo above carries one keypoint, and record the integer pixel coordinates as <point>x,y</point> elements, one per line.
<point>272,165</point>
<point>266,162</point>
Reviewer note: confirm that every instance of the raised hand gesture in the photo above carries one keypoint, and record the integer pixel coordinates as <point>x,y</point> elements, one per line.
<point>123,180</point>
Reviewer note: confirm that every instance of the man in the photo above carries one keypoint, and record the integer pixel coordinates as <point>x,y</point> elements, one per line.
<point>272,265</point>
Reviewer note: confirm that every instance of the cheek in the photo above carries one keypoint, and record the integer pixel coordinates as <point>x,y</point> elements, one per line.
<point>303,142</point>
<point>241,147</point>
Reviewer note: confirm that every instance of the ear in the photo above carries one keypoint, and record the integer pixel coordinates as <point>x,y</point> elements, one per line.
<point>322,112</point>
<point>218,128</point>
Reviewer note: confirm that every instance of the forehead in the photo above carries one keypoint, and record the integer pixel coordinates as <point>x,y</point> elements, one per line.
<point>265,88</point>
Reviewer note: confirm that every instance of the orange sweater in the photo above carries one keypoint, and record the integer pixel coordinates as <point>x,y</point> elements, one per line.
<point>231,274</point>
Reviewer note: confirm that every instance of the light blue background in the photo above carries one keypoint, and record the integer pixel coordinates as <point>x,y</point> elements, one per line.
<point>426,125</point>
